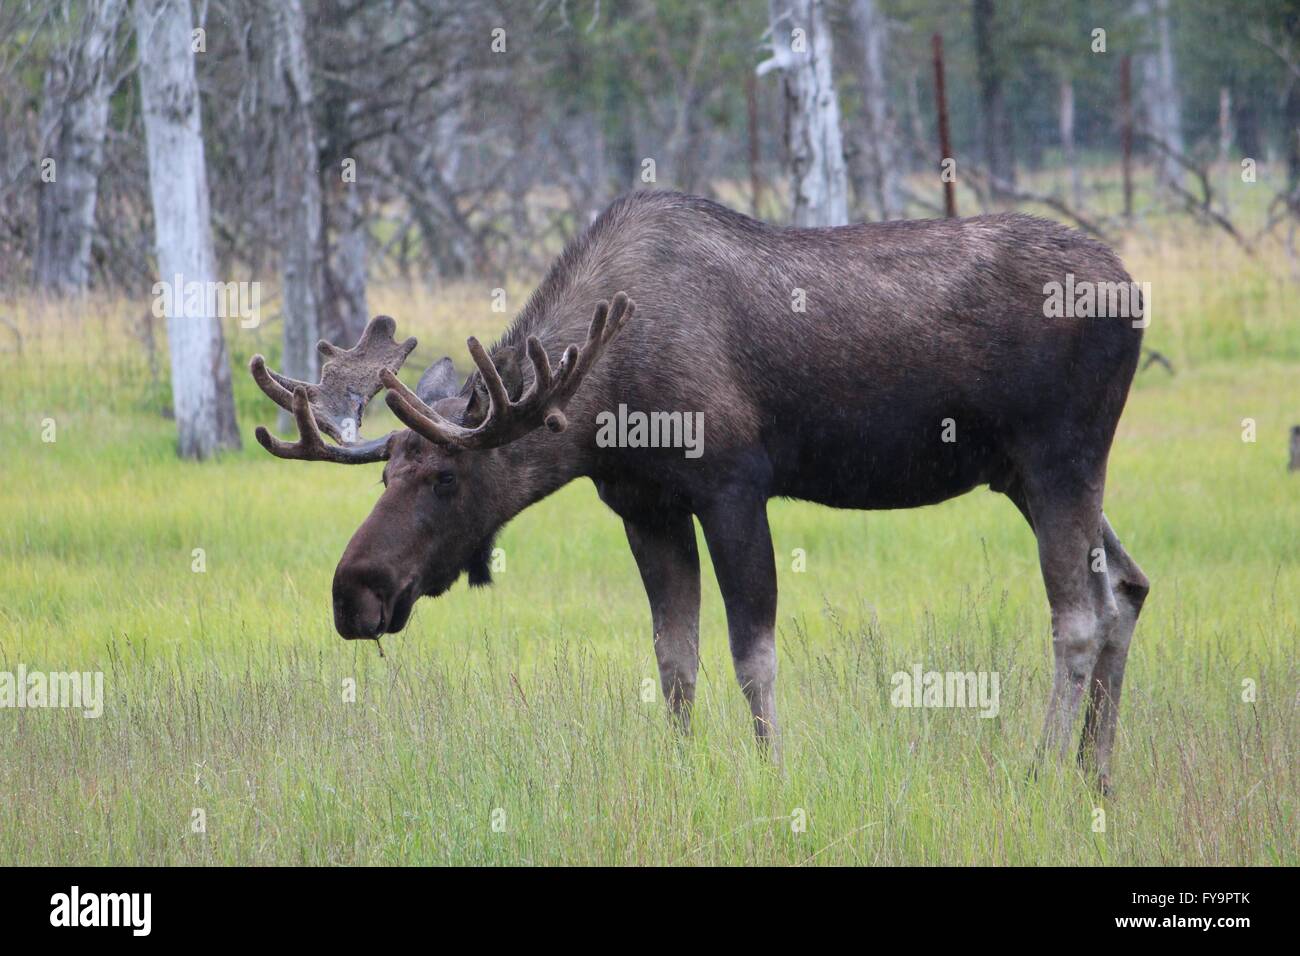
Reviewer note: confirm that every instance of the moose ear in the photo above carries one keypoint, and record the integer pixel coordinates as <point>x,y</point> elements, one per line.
<point>438,381</point>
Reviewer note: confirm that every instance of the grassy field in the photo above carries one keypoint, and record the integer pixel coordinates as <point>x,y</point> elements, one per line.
<point>511,725</point>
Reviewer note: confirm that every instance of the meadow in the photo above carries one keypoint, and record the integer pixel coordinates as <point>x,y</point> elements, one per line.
<point>522,724</point>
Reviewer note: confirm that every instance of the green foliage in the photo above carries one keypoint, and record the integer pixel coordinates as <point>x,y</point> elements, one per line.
<point>224,689</point>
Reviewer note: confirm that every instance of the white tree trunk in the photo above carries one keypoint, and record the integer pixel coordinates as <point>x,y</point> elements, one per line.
<point>1159,93</point>
<point>298,195</point>
<point>341,111</point>
<point>802,50</point>
<point>351,264</point>
<point>77,92</point>
<point>878,143</point>
<point>1068,152</point>
<point>178,183</point>
<point>1226,170</point>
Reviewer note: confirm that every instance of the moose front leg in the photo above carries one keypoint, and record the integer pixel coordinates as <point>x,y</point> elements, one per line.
<point>735,527</point>
<point>665,552</point>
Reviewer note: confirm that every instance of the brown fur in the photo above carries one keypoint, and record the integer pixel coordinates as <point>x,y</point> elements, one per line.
<point>907,324</point>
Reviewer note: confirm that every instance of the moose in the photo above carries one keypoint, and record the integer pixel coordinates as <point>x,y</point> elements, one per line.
<point>872,366</point>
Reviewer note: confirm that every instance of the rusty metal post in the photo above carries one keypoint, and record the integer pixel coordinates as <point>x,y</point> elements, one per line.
<point>945,145</point>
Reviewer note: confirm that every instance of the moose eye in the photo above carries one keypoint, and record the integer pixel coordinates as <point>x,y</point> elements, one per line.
<point>445,482</point>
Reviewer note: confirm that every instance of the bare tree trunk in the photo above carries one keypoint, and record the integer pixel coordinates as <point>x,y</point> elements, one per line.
<point>178,181</point>
<point>915,117</point>
<point>344,222</point>
<point>298,194</point>
<point>1227,174</point>
<point>877,142</point>
<point>802,50</point>
<point>77,92</point>
<point>348,270</point>
<point>1159,92</point>
<point>430,184</point>
<point>1067,142</point>
<point>995,127</point>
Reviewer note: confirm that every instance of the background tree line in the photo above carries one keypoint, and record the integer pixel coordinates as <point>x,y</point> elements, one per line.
<point>327,144</point>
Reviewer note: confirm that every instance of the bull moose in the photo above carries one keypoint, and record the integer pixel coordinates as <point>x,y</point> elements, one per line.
<point>827,364</point>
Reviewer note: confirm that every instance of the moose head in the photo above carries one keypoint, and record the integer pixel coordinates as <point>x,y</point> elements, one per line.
<point>448,485</point>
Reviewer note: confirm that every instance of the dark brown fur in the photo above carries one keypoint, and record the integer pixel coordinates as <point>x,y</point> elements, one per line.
<point>907,324</point>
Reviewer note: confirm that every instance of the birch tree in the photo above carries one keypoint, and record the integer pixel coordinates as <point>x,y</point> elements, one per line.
<point>298,194</point>
<point>345,216</point>
<point>802,51</point>
<point>877,142</point>
<point>1158,94</point>
<point>1069,154</point>
<point>346,309</point>
<point>178,184</point>
<point>78,85</point>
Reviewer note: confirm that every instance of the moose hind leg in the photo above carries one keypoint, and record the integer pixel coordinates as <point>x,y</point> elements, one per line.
<point>666,555</point>
<point>1130,588</point>
<point>740,543</point>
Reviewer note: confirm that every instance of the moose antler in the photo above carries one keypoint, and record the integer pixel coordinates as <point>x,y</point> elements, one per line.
<point>349,378</point>
<point>543,403</point>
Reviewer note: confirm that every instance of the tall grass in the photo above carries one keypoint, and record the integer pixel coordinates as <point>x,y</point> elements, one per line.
<point>511,726</point>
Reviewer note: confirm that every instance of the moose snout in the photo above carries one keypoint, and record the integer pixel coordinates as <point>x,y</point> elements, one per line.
<point>363,602</point>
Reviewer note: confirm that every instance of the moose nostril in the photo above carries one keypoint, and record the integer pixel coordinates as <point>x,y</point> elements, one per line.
<point>359,612</point>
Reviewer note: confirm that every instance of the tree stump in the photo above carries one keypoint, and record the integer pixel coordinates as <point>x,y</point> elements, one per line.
<point>1295,449</point>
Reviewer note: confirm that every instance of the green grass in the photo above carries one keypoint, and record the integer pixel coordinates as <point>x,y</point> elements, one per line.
<point>224,689</point>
